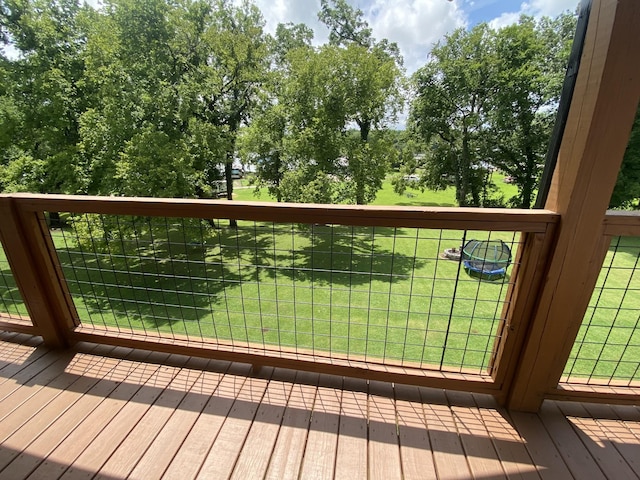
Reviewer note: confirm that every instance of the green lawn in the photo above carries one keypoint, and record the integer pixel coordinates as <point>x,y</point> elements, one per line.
<point>608,343</point>
<point>382,293</point>
<point>386,196</point>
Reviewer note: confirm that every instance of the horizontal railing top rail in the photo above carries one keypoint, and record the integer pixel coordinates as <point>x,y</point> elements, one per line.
<point>465,218</point>
<point>622,223</point>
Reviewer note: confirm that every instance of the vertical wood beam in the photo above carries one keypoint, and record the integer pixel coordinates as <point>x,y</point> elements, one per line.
<point>597,132</point>
<point>32,268</point>
<point>519,308</point>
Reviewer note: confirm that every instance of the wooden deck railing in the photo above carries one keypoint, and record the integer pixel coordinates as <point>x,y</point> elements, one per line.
<point>156,281</point>
<point>559,258</point>
<point>360,291</point>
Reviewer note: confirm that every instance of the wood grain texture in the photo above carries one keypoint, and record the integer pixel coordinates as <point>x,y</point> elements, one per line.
<point>254,458</point>
<point>351,456</point>
<point>622,223</point>
<point>87,371</point>
<point>415,447</point>
<point>171,438</point>
<point>597,441</point>
<point>135,443</point>
<point>71,447</point>
<point>292,360</point>
<point>540,446</point>
<point>288,451</point>
<point>515,459</point>
<point>384,444</point>
<point>443,436</point>
<point>148,416</point>
<point>576,456</point>
<point>596,135</point>
<point>27,256</point>
<point>322,440</point>
<point>196,446</point>
<point>361,215</point>
<point>82,405</point>
<point>477,442</point>
<point>228,444</point>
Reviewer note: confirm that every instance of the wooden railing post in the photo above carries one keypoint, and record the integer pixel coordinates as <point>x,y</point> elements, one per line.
<point>519,306</point>
<point>596,135</point>
<point>31,264</point>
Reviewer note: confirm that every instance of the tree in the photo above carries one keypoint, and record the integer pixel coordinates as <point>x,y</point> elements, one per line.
<point>527,79</point>
<point>234,73</point>
<point>346,24</point>
<point>42,95</point>
<point>263,141</point>
<point>314,102</point>
<point>626,193</point>
<point>137,131</point>
<point>373,95</point>
<point>486,99</point>
<point>152,130</point>
<point>371,77</point>
<point>449,112</point>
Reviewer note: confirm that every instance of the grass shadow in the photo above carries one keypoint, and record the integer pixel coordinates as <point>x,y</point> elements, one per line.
<point>153,280</point>
<point>346,256</point>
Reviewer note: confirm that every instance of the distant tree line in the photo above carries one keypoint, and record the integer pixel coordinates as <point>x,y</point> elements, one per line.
<point>159,98</point>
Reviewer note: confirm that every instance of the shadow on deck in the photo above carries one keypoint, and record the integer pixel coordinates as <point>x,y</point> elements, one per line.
<point>114,413</point>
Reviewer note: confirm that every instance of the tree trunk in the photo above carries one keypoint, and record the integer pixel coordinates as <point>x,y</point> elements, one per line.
<point>228,165</point>
<point>527,187</point>
<point>365,128</point>
<point>54,220</point>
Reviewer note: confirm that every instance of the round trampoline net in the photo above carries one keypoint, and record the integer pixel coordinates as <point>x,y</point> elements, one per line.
<point>486,256</point>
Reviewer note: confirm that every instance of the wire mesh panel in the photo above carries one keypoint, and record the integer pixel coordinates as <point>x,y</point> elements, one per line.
<point>607,349</point>
<point>368,293</point>
<point>10,299</point>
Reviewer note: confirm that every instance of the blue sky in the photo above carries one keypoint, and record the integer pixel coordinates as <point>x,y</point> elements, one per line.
<point>486,10</point>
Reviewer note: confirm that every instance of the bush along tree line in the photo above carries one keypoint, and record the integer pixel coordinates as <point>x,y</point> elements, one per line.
<point>158,98</point>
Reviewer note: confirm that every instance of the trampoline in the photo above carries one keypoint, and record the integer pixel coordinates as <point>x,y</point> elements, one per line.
<point>487,258</point>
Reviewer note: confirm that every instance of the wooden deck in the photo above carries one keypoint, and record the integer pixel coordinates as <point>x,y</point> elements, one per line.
<point>114,413</point>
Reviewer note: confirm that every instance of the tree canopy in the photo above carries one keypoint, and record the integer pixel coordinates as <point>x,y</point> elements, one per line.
<point>486,100</point>
<point>158,98</point>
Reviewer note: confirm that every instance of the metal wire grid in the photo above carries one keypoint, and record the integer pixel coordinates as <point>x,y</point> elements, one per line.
<point>10,299</point>
<point>607,348</point>
<point>378,294</point>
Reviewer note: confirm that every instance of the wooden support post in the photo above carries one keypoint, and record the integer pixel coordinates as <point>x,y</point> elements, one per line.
<point>34,272</point>
<point>520,302</point>
<point>597,132</point>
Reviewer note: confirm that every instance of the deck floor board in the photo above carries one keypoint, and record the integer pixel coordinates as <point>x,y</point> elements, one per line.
<point>116,413</point>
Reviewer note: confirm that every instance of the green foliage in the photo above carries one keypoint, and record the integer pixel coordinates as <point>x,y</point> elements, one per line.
<point>626,194</point>
<point>42,95</point>
<point>449,112</point>
<point>526,93</point>
<point>100,233</point>
<point>487,97</point>
<point>159,98</point>
<point>346,25</point>
<point>308,186</point>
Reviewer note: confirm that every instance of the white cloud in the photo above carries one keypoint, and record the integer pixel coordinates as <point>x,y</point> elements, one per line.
<point>504,20</point>
<point>415,25</point>
<point>294,11</point>
<point>535,8</point>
